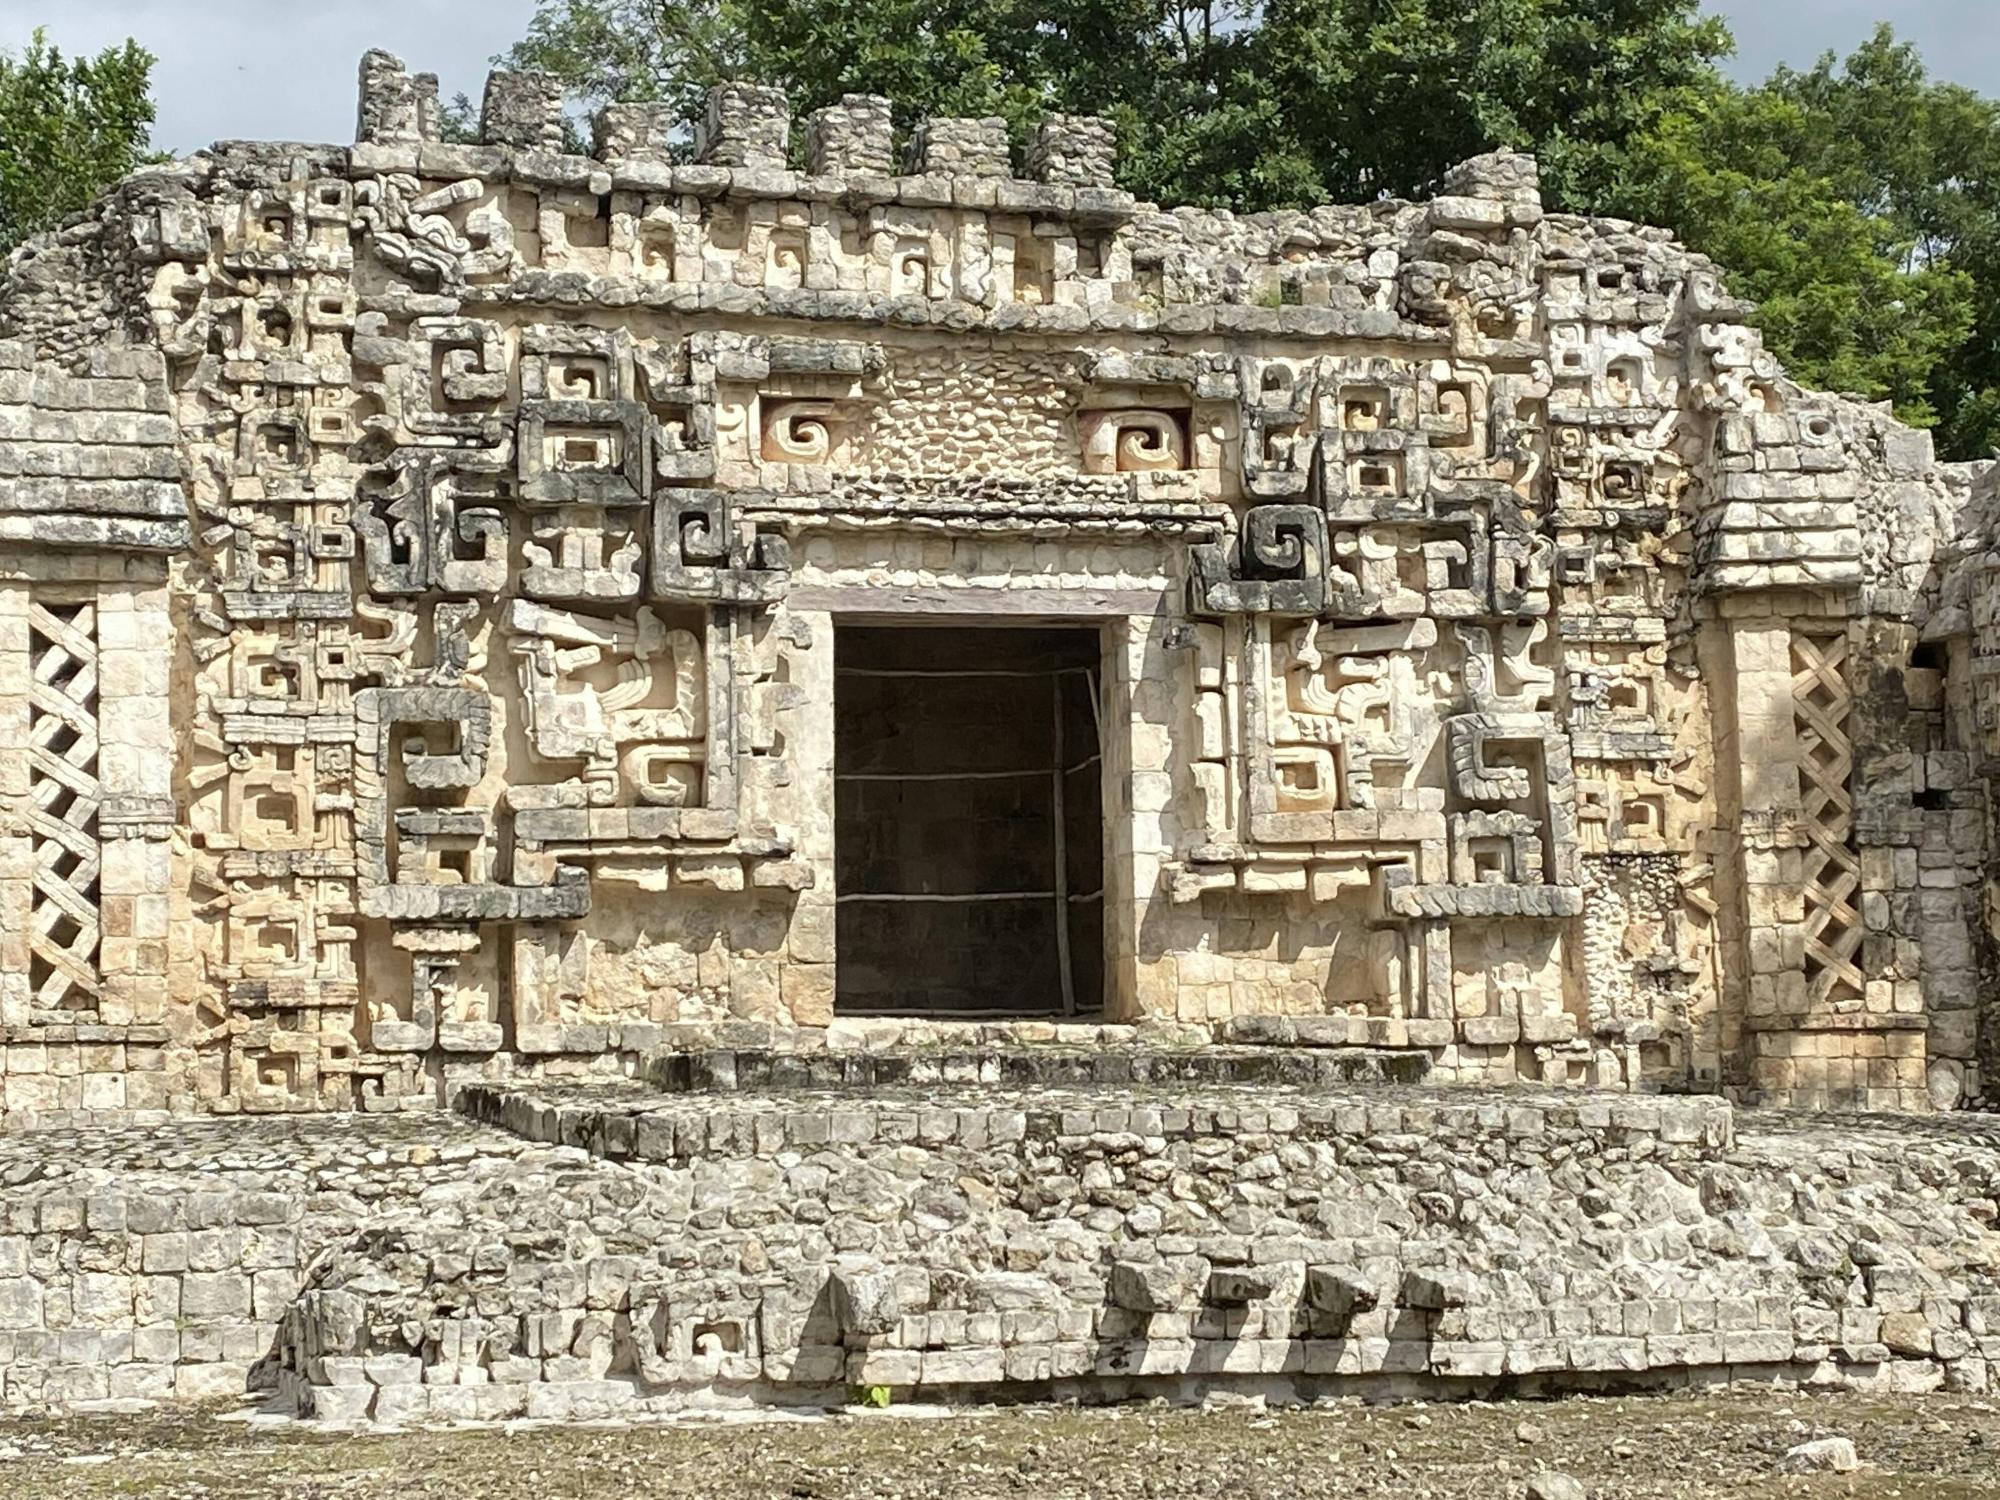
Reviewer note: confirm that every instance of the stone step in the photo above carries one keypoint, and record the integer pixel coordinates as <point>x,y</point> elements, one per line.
<point>631,1121</point>
<point>761,1071</point>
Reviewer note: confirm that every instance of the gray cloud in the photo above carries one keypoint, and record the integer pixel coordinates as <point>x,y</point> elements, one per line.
<point>285,71</point>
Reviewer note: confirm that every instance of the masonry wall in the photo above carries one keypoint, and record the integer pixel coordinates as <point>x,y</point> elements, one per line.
<point>1505,663</point>
<point>405,1270</point>
<point>126,1273</point>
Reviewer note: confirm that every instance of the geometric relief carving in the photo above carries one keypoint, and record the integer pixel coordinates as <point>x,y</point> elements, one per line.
<point>584,553</point>
<point>362,799</point>
<point>1491,755</point>
<point>1622,809</point>
<point>804,431</point>
<point>1133,441</point>
<point>579,451</point>
<point>422,533</point>
<point>268,799</point>
<point>1354,688</point>
<point>1832,868</point>
<point>63,801</point>
<point>701,552</point>
<point>1495,848</point>
<point>616,695</point>
<point>478,610</point>
<point>1373,570</point>
<point>444,733</point>
<point>1277,565</point>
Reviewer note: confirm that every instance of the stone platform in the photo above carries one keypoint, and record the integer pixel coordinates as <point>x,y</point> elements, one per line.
<point>617,1249</point>
<point>639,1123</point>
<point>1026,1065</point>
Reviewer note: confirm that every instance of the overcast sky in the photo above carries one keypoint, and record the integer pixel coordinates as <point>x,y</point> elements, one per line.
<point>284,69</point>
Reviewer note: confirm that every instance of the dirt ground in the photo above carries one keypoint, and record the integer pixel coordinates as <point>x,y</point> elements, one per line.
<point>1716,1443</point>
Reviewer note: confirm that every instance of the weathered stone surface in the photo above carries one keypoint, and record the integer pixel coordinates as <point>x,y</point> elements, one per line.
<point>523,110</point>
<point>1552,1484</point>
<point>747,126</point>
<point>1078,151</point>
<point>420,566</point>
<point>1155,1286</point>
<point>89,456</point>
<point>855,137</point>
<point>875,1300</point>
<point>395,109</point>
<point>635,1250</point>
<point>1832,1455</point>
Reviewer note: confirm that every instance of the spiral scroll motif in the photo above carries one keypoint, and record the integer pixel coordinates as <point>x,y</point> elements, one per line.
<point>799,432</point>
<point>1134,441</point>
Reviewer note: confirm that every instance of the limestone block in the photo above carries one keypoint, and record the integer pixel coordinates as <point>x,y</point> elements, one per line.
<point>852,138</point>
<point>522,109</point>
<point>1155,1287</point>
<point>747,125</point>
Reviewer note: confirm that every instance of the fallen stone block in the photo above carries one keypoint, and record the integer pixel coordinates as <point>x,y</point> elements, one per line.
<point>1829,1455</point>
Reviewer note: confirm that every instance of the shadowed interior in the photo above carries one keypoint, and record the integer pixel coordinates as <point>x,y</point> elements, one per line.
<point>968,821</point>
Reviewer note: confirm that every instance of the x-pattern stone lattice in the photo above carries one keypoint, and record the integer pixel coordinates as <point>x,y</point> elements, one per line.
<point>1832,871</point>
<point>62,806</point>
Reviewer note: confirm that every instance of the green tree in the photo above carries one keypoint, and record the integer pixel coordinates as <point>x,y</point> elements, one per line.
<point>1856,203</point>
<point>69,127</point>
<point>636,49</point>
<point>1381,96</point>
<point>1225,102</point>
<point>971,57</point>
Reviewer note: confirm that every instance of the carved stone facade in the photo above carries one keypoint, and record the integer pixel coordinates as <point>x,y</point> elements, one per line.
<point>421,566</point>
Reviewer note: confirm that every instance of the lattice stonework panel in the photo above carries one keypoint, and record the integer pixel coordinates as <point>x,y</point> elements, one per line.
<point>1832,869</point>
<point>63,798</point>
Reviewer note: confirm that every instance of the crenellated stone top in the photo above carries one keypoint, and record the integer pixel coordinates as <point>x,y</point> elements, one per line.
<point>745,125</point>
<point>1626,340</point>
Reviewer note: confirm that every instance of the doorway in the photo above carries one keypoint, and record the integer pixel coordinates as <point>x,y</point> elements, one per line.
<point>968,821</point>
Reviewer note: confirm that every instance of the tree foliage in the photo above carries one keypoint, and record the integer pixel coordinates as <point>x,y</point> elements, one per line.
<point>1859,204</point>
<point>1381,96</point>
<point>1219,101</point>
<point>69,127</point>
<point>1857,201</point>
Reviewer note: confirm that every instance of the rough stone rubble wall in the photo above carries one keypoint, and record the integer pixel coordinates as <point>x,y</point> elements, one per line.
<point>1504,662</point>
<point>133,1268</point>
<point>784,1250</point>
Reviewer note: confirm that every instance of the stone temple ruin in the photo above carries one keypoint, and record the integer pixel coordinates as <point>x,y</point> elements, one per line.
<point>554,636</point>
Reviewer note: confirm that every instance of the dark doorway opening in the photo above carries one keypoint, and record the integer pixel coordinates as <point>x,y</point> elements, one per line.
<point>968,821</point>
